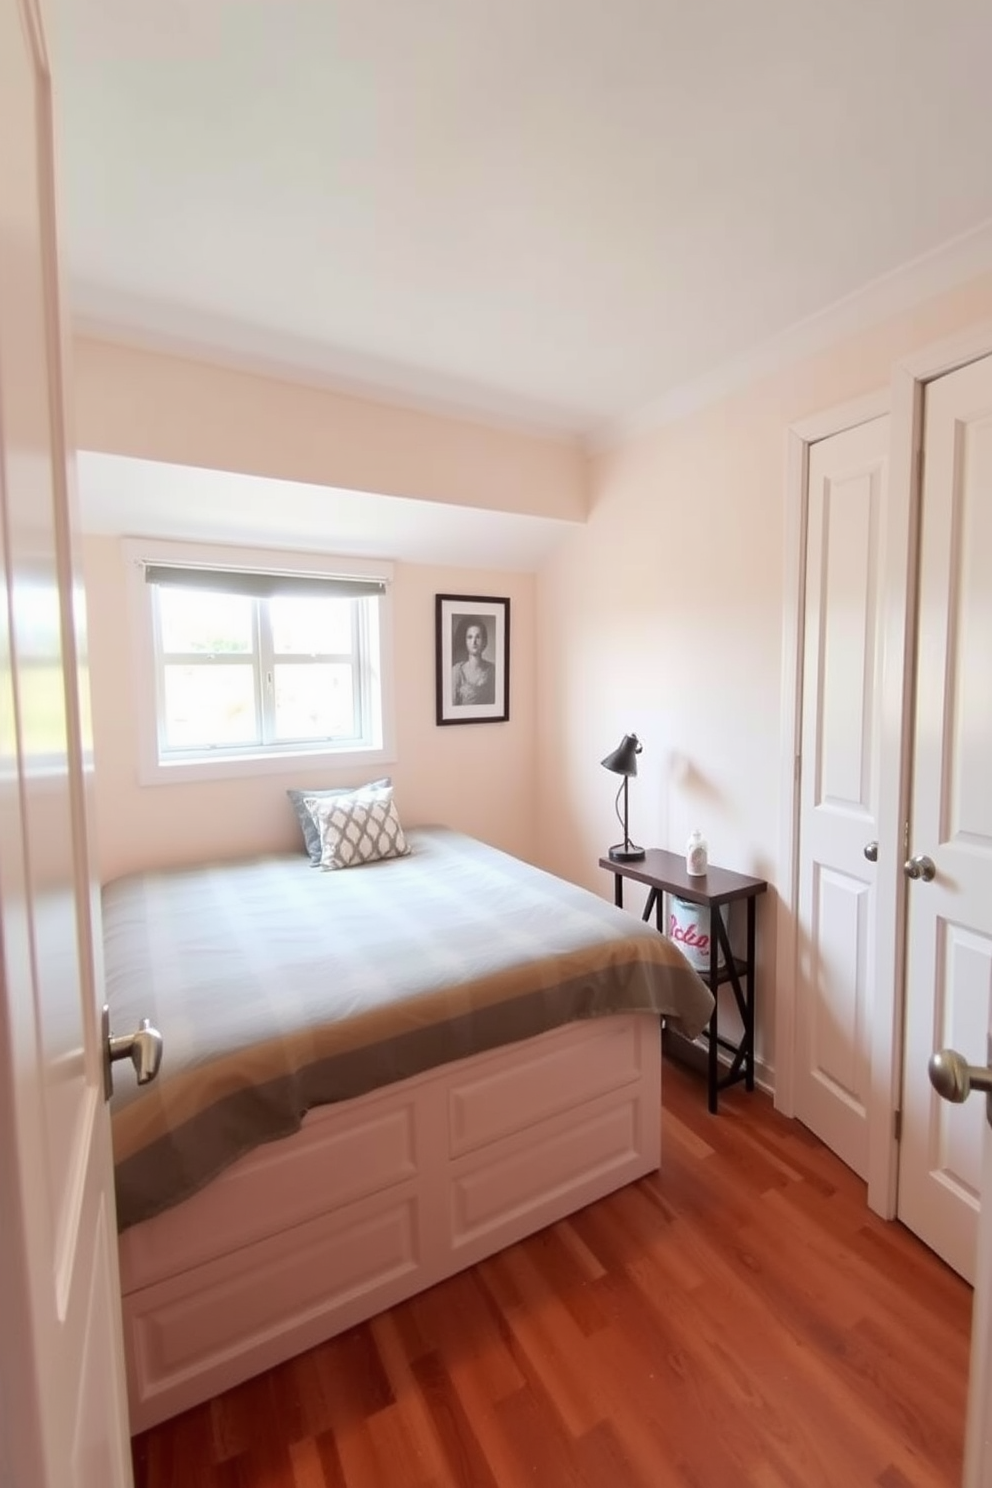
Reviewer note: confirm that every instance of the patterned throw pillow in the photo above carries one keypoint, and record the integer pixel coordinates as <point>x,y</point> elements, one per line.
<point>309,828</point>
<point>362,827</point>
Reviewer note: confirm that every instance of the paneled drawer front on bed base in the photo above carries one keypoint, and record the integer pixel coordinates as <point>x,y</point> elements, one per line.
<point>377,1199</point>
<point>523,1176</point>
<point>500,1097</point>
<point>359,1148</point>
<point>184,1333</point>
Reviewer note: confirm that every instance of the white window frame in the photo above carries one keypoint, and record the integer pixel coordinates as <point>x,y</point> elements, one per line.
<point>152,770</point>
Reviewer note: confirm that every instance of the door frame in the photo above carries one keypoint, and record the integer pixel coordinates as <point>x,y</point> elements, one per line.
<point>903,400</point>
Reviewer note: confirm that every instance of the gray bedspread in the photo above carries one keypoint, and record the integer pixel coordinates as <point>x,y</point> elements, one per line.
<point>278,988</point>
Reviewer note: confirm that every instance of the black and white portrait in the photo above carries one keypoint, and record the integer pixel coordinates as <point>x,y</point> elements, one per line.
<point>473,652</point>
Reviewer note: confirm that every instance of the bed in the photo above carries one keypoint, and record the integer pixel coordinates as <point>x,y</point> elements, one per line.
<point>371,1079</point>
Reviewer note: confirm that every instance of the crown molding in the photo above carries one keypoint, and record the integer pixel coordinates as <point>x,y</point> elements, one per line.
<point>106,315</point>
<point>109,316</point>
<point>953,263</point>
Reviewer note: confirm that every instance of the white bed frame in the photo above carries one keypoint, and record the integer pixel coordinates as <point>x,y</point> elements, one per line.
<point>377,1198</point>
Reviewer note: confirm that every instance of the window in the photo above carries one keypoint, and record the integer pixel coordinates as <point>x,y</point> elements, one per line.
<point>253,664</point>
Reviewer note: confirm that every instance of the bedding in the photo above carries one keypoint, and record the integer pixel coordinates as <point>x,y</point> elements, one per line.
<point>278,989</point>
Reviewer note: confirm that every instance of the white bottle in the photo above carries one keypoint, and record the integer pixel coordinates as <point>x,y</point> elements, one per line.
<point>696,855</point>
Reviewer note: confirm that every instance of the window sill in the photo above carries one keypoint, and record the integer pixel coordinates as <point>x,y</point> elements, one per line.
<point>187,772</point>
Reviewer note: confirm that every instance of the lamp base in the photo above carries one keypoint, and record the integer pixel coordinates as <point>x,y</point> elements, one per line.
<point>626,852</point>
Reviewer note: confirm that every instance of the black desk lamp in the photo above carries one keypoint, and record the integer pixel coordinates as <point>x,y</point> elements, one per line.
<point>623,761</point>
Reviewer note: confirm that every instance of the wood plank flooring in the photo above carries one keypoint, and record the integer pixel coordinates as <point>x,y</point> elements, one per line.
<point>739,1319</point>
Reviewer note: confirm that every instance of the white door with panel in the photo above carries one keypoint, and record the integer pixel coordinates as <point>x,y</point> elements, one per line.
<point>838,821</point>
<point>63,1416</point>
<point>948,1000</point>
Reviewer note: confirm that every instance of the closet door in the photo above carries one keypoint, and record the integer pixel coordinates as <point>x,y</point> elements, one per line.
<point>949,919</point>
<point>847,488</point>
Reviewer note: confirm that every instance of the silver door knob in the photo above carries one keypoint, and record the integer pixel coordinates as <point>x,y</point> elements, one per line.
<point>871,851</point>
<point>143,1048</point>
<point>920,867</point>
<point>954,1078</point>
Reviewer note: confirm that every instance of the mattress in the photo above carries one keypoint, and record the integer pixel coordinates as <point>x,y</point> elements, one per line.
<point>278,987</point>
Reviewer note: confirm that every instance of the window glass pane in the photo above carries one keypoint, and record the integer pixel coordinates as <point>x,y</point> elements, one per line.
<point>209,705</point>
<point>43,727</point>
<point>213,624</point>
<point>311,627</point>
<point>314,700</point>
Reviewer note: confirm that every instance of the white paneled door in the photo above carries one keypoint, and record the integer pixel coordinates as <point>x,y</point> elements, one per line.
<point>949,916</point>
<point>63,1419</point>
<point>838,826</point>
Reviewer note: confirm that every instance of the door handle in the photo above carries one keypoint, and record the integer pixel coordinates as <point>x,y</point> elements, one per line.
<point>920,867</point>
<point>871,851</point>
<point>954,1078</point>
<point>143,1048</point>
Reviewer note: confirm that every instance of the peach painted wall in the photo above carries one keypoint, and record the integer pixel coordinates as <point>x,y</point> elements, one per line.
<point>664,616</point>
<point>154,406</point>
<point>479,779</point>
<point>127,401</point>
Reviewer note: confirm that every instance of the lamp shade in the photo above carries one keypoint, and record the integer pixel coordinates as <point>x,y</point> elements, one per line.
<point>623,760</point>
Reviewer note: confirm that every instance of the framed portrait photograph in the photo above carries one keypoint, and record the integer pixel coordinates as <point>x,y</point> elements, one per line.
<point>472,636</point>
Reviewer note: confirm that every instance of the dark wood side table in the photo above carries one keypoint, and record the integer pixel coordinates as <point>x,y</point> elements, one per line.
<point>665,873</point>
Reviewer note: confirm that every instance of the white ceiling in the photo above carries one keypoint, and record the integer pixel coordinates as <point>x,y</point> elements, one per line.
<point>557,211</point>
<point>560,208</point>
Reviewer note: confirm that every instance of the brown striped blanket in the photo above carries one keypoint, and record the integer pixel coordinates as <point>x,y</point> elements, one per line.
<point>278,988</point>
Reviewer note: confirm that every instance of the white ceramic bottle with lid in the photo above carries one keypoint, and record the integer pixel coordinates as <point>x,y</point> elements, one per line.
<point>696,855</point>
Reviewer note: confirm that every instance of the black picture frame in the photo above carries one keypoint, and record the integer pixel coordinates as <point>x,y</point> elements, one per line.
<point>481,692</point>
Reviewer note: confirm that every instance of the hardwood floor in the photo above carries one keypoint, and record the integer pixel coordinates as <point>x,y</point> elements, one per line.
<point>739,1319</point>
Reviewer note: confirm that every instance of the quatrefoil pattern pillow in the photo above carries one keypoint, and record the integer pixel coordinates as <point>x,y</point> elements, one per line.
<point>310,829</point>
<point>362,827</point>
